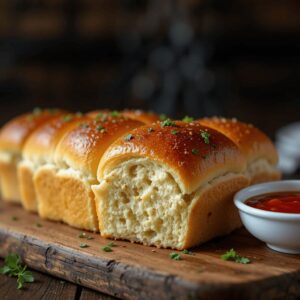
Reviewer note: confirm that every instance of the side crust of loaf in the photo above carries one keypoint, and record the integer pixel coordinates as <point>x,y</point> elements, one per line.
<point>9,178</point>
<point>27,189</point>
<point>64,196</point>
<point>141,201</point>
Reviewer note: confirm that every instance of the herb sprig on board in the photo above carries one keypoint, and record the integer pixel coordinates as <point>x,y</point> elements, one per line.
<point>14,268</point>
<point>232,255</point>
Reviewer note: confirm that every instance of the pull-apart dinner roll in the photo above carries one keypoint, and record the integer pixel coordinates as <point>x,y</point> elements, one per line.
<point>39,150</point>
<point>258,149</point>
<point>13,135</point>
<point>169,184</point>
<point>64,188</point>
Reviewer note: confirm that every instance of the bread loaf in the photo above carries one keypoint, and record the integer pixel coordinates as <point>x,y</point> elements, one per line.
<point>64,187</point>
<point>39,150</point>
<point>169,185</point>
<point>259,151</point>
<point>13,135</point>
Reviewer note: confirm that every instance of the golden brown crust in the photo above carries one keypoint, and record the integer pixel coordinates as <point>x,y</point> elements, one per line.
<point>253,143</point>
<point>214,213</point>
<point>182,148</point>
<point>140,115</point>
<point>82,147</point>
<point>43,141</point>
<point>9,181</point>
<point>14,133</point>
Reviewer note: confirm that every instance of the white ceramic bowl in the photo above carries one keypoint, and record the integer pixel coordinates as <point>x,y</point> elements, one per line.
<point>281,231</point>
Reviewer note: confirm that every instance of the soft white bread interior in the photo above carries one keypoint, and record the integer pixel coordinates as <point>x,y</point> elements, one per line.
<point>13,135</point>
<point>39,150</point>
<point>169,185</point>
<point>258,149</point>
<point>64,187</point>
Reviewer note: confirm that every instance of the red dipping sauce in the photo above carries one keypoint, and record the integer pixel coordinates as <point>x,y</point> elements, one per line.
<point>287,202</point>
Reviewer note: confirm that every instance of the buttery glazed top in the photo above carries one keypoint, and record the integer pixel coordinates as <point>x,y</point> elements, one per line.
<point>181,147</point>
<point>253,143</point>
<point>139,115</point>
<point>41,144</point>
<point>14,133</point>
<point>82,147</point>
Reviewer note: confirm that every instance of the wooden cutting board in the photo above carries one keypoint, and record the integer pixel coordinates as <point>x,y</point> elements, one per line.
<point>133,271</point>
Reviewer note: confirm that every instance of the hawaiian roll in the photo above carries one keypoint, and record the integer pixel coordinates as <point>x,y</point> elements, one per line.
<point>260,152</point>
<point>13,136</point>
<point>64,189</point>
<point>169,184</point>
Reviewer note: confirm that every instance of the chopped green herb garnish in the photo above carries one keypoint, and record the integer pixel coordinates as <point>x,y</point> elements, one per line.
<point>107,248</point>
<point>163,117</point>
<point>205,136</point>
<point>188,119</point>
<point>99,128</point>
<point>195,151</point>
<point>79,114</point>
<point>67,118</point>
<point>82,235</point>
<point>14,218</point>
<point>115,113</point>
<point>185,251</point>
<point>36,111</point>
<point>174,132</point>
<point>89,237</point>
<point>233,256</point>
<point>175,256</point>
<point>167,122</point>
<point>83,245</point>
<point>39,225</point>
<point>150,129</point>
<point>128,137</point>
<point>13,267</point>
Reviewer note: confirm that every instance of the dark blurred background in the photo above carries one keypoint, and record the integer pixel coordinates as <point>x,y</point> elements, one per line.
<point>233,58</point>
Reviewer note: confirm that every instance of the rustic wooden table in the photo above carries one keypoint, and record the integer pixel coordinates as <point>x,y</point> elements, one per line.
<point>46,287</point>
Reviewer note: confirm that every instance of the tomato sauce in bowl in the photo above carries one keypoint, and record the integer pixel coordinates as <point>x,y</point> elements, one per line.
<point>285,202</point>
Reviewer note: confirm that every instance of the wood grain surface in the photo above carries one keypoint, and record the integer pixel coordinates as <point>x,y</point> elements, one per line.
<point>46,287</point>
<point>133,271</point>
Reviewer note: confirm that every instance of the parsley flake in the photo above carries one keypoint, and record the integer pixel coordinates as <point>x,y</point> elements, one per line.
<point>175,256</point>
<point>163,117</point>
<point>205,136</point>
<point>14,218</point>
<point>195,151</point>
<point>174,132</point>
<point>83,245</point>
<point>107,248</point>
<point>67,118</point>
<point>231,255</point>
<point>188,119</point>
<point>115,113</point>
<point>167,122</point>
<point>37,111</point>
<point>185,251</point>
